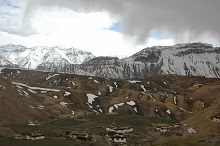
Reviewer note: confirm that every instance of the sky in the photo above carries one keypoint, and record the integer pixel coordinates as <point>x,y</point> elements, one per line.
<point>109,27</point>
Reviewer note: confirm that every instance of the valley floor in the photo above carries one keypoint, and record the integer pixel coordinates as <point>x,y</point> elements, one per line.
<point>144,133</point>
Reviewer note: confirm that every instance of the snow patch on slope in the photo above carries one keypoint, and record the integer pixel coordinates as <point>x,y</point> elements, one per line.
<point>35,88</point>
<point>50,76</point>
<point>91,97</point>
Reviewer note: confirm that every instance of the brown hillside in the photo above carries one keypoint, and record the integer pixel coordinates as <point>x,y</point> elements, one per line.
<point>32,96</point>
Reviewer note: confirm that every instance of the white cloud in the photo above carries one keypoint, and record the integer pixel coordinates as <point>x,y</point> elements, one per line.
<point>104,42</point>
<point>65,28</point>
<point>83,24</point>
<point>65,21</point>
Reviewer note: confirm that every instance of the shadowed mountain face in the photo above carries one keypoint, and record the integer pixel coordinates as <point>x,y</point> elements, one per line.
<point>195,59</point>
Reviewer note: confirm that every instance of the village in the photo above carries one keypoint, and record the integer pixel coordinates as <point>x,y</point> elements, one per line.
<point>115,135</point>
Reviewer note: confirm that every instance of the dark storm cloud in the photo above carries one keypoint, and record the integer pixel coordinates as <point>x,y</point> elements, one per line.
<point>139,17</point>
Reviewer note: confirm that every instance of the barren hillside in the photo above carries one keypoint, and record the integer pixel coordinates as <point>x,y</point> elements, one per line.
<point>33,97</point>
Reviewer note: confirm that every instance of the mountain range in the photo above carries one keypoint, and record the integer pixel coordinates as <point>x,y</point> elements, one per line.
<point>33,58</point>
<point>197,59</point>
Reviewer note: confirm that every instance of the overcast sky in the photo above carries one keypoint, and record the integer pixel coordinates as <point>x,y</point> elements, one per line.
<point>109,27</point>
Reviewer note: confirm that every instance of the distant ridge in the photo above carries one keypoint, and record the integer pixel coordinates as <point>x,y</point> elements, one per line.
<point>196,59</point>
<point>32,58</point>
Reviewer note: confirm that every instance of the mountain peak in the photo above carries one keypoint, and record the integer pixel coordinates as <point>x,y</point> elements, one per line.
<point>37,56</point>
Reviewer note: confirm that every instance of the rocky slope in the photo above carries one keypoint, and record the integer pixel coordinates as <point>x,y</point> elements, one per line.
<point>195,59</point>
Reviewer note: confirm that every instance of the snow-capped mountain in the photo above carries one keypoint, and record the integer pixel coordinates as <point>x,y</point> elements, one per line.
<point>183,59</point>
<point>195,59</point>
<point>41,57</point>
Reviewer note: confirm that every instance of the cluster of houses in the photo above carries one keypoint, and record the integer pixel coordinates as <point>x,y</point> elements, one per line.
<point>116,134</point>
